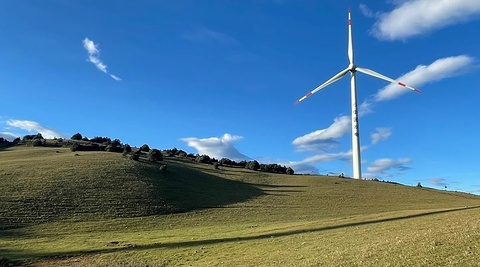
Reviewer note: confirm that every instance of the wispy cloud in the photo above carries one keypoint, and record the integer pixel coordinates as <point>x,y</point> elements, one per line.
<point>381,166</point>
<point>217,147</point>
<point>421,75</point>
<point>115,77</point>
<point>325,138</point>
<point>419,17</point>
<point>381,134</point>
<point>436,181</point>
<point>205,35</point>
<point>326,157</point>
<point>35,127</point>
<point>9,136</point>
<point>300,167</point>
<point>366,11</point>
<point>307,165</point>
<point>94,57</point>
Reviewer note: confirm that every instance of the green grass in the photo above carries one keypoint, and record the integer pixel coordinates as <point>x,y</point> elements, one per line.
<point>99,209</point>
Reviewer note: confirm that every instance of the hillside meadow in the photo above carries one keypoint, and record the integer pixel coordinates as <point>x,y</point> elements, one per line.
<point>63,208</point>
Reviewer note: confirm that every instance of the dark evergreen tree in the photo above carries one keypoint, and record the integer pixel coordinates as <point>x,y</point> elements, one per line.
<point>253,165</point>
<point>77,136</point>
<point>145,148</point>
<point>203,159</point>
<point>155,155</point>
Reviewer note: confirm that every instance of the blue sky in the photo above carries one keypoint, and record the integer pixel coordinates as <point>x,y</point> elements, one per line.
<point>221,77</point>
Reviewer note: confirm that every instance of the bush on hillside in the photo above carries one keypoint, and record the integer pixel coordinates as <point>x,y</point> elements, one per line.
<point>116,142</point>
<point>77,136</point>
<point>290,171</point>
<point>174,152</point>
<point>116,149</point>
<point>203,159</point>
<point>86,147</point>
<point>182,154</point>
<point>29,137</point>
<point>154,155</point>
<point>252,165</point>
<point>226,162</point>
<point>127,148</point>
<point>38,142</point>
<point>145,148</point>
<point>242,163</point>
<point>74,147</point>
<point>98,139</point>
<point>134,157</point>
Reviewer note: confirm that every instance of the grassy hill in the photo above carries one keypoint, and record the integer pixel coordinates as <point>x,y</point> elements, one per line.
<point>96,208</point>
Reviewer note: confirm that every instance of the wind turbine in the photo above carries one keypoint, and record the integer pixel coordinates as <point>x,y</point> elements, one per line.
<point>353,69</point>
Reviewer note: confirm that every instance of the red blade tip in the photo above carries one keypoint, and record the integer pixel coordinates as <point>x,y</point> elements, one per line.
<point>296,102</point>
<point>418,91</point>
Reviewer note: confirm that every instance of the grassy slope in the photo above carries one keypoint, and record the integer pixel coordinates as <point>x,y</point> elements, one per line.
<point>110,211</point>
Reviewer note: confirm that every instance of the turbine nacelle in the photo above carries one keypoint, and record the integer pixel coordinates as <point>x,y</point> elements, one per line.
<point>352,67</point>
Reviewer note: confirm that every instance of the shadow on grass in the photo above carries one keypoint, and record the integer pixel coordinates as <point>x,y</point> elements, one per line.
<point>247,238</point>
<point>133,189</point>
<point>296,232</point>
<point>186,189</point>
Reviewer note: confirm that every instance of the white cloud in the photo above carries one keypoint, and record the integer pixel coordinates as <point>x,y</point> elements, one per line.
<point>99,64</point>
<point>381,134</point>
<point>436,181</point>
<point>300,167</point>
<point>205,35</point>
<point>217,147</point>
<point>35,127</point>
<point>381,166</point>
<point>326,157</point>
<point>324,138</point>
<point>9,136</point>
<point>438,70</point>
<point>94,57</point>
<point>307,165</point>
<point>366,11</point>
<point>115,77</point>
<point>418,17</point>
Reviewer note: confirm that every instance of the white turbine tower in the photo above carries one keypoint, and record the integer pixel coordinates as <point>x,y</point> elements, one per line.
<point>353,69</point>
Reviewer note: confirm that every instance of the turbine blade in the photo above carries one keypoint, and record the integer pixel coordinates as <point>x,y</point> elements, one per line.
<point>335,78</point>
<point>350,42</point>
<point>383,77</point>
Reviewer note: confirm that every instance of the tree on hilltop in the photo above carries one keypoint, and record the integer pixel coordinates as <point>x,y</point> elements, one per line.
<point>252,165</point>
<point>77,136</point>
<point>145,148</point>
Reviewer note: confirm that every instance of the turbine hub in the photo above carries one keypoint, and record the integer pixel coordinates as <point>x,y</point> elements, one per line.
<point>352,67</point>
